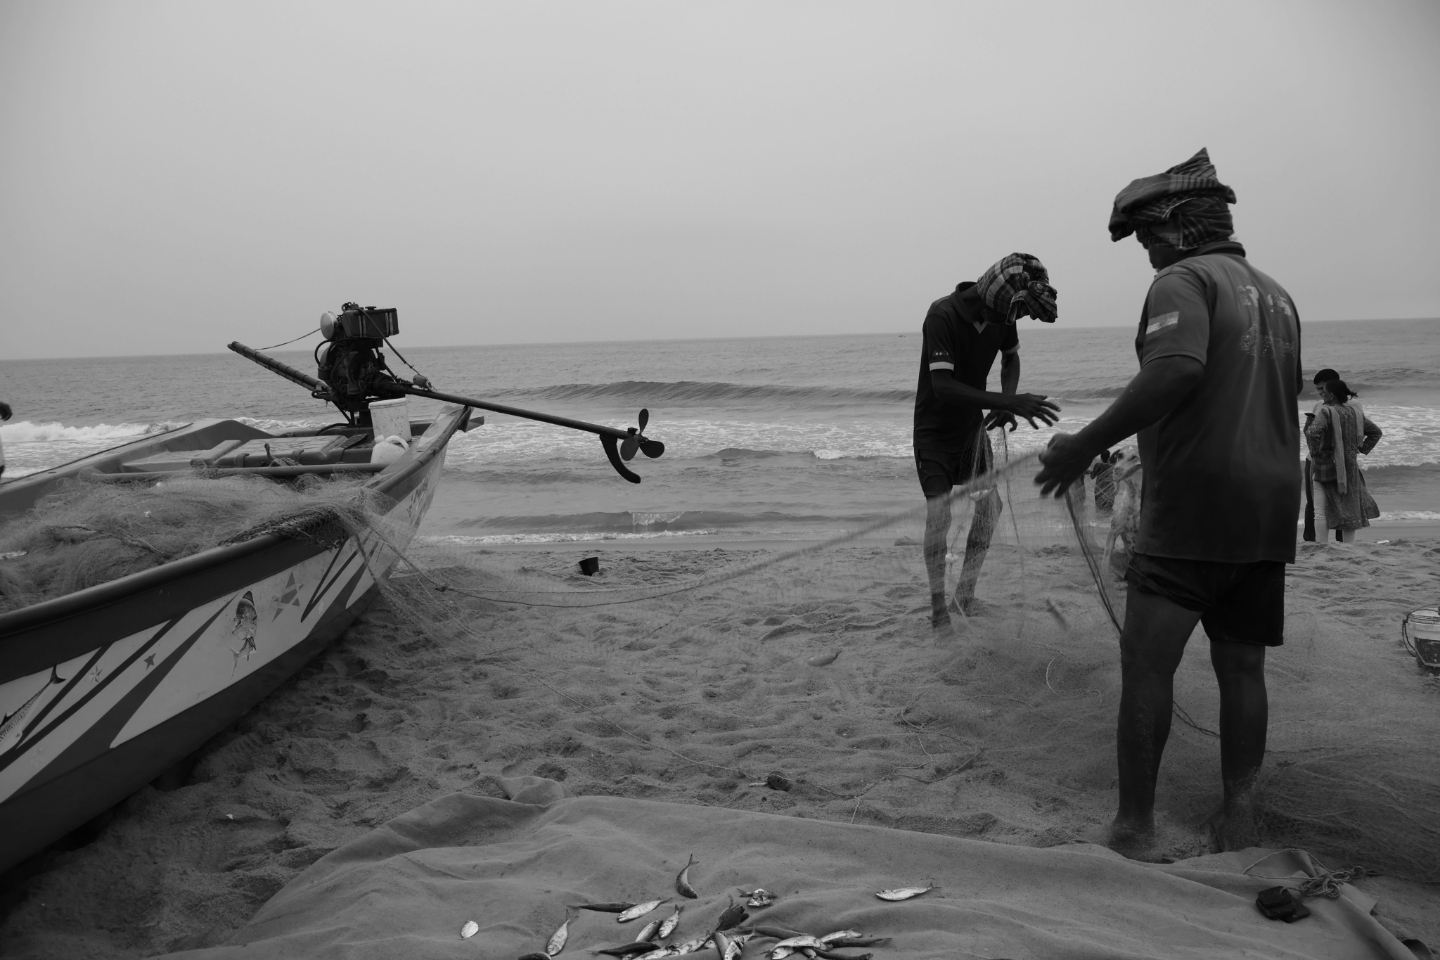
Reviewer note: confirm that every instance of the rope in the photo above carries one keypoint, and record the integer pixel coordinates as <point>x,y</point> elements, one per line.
<point>288,342</point>
<point>1327,884</point>
<point>406,362</point>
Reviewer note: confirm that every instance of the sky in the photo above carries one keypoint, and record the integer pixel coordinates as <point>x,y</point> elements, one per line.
<point>175,175</point>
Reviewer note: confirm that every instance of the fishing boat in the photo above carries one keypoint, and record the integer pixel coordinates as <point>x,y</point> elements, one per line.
<point>103,689</point>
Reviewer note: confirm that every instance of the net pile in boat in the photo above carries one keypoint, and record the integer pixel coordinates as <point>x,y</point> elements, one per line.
<point>84,532</point>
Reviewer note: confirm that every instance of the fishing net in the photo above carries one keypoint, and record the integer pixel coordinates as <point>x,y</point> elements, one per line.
<point>728,658</point>
<point>87,532</point>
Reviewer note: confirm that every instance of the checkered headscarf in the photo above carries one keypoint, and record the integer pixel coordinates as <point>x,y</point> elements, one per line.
<point>1018,277</point>
<point>1185,206</point>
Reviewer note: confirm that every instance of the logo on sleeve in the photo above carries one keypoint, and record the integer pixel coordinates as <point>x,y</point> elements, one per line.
<point>1162,323</point>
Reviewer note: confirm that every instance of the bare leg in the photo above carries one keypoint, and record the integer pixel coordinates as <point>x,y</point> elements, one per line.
<point>977,545</point>
<point>1244,718</point>
<point>937,536</point>
<point>1151,645</point>
<point>1345,536</point>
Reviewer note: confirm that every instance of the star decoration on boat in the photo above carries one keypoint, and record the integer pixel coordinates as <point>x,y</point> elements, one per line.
<point>289,598</point>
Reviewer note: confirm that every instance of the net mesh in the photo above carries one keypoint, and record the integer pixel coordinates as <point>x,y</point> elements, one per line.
<point>1021,700</point>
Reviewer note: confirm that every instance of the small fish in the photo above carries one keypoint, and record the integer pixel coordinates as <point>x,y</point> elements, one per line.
<point>690,946</point>
<point>832,955</point>
<point>722,944</point>
<point>682,880</point>
<point>534,956</point>
<point>556,943</point>
<point>657,954</point>
<point>823,659</point>
<point>602,907</point>
<point>760,897</point>
<point>733,915</point>
<point>859,941</point>
<point>670,923</point>
<point>469,930</point>
<point>737,945</point>
<point>647,932</point>
<point>628,949</point>
<point>639,910</point>
<point>904,893</point>
<point>837,935</point>
<point>789,945</point>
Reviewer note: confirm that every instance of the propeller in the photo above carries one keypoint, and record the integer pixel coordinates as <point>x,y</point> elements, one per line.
<point>638,441</point>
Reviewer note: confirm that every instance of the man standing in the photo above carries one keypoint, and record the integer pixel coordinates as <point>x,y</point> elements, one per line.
<point>1323,377</point>
<point>4,415</point>
<point>962,334</point>
<point>1214,407</point>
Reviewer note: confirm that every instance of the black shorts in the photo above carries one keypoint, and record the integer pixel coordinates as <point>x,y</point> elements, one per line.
<point>940,470</point>
<point>1238,602</point>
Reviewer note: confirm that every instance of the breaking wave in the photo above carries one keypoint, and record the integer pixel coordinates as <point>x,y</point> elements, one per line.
<point>702,393</point>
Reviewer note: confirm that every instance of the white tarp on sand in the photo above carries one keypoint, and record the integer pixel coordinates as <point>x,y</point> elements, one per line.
<point>406,889</point>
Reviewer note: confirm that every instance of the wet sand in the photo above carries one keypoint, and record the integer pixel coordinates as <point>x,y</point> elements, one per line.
<point>692,699</point>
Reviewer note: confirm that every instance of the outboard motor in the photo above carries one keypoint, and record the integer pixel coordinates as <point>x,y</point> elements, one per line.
<point>350,361</point>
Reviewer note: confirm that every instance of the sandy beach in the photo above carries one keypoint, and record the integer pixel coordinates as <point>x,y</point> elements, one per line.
<point>684,699</point>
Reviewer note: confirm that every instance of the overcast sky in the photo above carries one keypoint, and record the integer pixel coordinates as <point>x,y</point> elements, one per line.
<point>177,175</point>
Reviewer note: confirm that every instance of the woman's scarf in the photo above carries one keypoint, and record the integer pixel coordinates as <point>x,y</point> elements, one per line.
<point>1335,410</point>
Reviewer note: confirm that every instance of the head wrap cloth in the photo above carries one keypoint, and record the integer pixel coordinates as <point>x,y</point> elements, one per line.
<point>1185,206</point>
<point>1018,277</point>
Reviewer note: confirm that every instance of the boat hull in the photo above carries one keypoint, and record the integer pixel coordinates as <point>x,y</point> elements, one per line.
<point>106,691</point>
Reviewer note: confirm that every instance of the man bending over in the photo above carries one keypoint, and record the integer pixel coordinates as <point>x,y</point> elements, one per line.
<point>1214,407</point>
<point>963,332</point>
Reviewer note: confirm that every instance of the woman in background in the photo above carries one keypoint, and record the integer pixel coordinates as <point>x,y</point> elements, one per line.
<point>1340,431</point>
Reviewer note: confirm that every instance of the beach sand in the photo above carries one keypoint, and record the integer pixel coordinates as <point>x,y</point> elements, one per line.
<point>689,698</point>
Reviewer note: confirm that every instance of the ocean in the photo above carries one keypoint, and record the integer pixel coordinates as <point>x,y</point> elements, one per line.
<point>766,438</point>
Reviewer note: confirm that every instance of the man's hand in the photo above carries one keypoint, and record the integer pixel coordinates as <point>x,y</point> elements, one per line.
<point>4,410</point>
<point>1032,407</point>
<point>1000,418</point>
<point>1063,462</point>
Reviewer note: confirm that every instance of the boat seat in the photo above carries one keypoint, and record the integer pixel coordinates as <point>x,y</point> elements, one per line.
<point>180,459</point>
<point>307,451</point>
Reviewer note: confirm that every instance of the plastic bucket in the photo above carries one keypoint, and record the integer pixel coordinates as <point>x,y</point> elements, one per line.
<point>1420,630</point>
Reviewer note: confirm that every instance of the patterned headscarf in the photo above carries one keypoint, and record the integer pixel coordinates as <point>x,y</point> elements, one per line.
<point>1185,206</point>
<point>1018,277</point>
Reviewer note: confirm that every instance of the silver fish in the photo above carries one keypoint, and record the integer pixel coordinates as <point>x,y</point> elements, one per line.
<point>736,946</point>
<point>760,897</point>
<point>690,946</point>
<point>682,880</point>
<point>670,923</point>
<point>904,893</point>
<point>639,910</point>
<point>657,954</point>
<point>469,930</point>
<point>647,932</point>
<point>722,944</point>
<point>788,946</point>
<point>837,935</point>
<point>556,943</point>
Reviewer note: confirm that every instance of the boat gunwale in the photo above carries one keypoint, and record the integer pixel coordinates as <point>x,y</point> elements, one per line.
<point>119,590</point>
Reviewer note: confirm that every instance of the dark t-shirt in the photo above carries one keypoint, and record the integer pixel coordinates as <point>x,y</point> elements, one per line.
<point>952,343</point>
<point>1222,470</point>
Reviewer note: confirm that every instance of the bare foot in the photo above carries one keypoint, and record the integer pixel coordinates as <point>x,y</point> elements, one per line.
<point>1234,828</point>
<point>939,616</point>
<point>1133,840</point>
<point>972,607</point>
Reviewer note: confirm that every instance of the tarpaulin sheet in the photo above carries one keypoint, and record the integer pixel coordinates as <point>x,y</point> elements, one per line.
<point>407,888</point>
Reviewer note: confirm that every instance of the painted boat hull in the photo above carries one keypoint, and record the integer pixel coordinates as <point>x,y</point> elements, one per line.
<point>109,687</point>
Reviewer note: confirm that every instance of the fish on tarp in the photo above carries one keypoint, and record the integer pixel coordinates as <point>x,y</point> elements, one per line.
<point>469,929</point>
<point>648,931</point>
<point>722,944</point>
<point>789,945</point>
<point>682,880</point>
<point>639,910</point>
<point>658,953</point>
<point>732,916</point>
<point>556,943</point>
<point>670,923</point>
<point>838,935</point>
<point>759,897</point>
<point>904,893</point>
